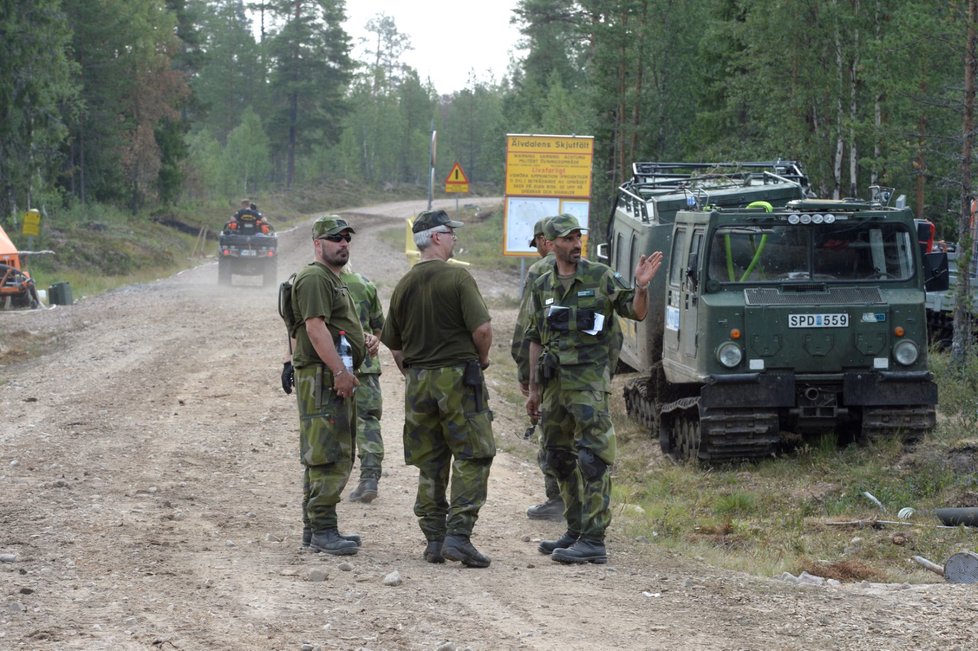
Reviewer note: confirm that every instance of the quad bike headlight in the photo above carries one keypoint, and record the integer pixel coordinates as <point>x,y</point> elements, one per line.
<point>906,352</point>
<point>729,354</point>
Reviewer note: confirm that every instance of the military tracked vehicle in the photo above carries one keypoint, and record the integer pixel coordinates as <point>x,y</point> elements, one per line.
<point>775,315</point>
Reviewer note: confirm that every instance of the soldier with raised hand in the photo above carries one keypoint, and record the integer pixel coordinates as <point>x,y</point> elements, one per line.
<point>370,403</point>
<point>324,386</point>
<point>553,507</point>
<point>572,348</point>
<point>439,333</point>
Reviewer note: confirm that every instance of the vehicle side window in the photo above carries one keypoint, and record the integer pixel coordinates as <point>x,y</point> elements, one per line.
<point>678,248</point>
<point>695,246</point>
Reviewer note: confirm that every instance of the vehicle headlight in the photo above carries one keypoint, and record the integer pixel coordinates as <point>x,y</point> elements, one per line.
<point>729,354</point>
<point>906,352</point>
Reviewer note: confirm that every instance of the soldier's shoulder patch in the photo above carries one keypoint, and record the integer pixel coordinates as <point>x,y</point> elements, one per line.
<point>620,280</point>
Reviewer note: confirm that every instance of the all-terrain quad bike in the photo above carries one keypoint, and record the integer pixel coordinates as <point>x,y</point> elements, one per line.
<point>249,247</point>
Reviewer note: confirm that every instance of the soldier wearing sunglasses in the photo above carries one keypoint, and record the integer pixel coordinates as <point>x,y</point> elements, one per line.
<point>324,387</point>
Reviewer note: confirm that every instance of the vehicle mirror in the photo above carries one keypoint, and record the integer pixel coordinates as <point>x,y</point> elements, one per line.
<point>602,251</point>
<point>936,276</point>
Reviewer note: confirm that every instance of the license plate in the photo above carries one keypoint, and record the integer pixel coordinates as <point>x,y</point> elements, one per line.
<point>818,320</point>
<point>247,252</point>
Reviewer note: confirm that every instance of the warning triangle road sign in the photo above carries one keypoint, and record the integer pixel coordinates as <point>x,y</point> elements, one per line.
<point>456,176</point>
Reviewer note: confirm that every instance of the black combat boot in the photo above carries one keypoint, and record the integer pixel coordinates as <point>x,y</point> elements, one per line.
<point>432,553</point>
<point>552,509</point>
<point>331,542</point>
<point>307,536</point>
<point>458,548</point>
<point>566,540</point>
<point>582,551</point>
<point>366,491</point>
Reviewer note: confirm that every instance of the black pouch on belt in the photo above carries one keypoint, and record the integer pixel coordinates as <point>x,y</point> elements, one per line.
<point>549,366</point>
<point>472,377</point>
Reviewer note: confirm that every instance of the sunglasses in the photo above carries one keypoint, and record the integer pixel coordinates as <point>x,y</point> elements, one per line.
<point>339,237</point>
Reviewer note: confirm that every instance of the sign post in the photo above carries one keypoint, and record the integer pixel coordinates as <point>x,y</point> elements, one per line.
<point>456,182</point>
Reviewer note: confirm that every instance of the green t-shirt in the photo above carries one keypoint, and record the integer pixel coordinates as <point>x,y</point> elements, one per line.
<point>371,314</point>
<point>318,292</point>
<point>433,312</point>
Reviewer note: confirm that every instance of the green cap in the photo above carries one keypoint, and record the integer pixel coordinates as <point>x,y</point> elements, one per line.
<point>538,230</point>
<point>329,225</point>
<point>561,226</point>
<point>431,219</point>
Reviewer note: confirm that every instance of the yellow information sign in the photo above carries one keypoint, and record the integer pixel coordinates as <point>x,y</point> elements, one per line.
<point>549,166</point>
<point>32,223</point>
<point>456,181</point>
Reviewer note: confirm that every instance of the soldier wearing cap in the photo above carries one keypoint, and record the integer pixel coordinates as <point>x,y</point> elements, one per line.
<point>553,507</point>
<point>439,333</point>
<point>572,348</point>
<point>324,387</point>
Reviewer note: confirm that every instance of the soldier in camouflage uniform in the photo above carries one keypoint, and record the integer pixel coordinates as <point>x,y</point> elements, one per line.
<point>553,507</point>
<point>370,444</point>
<point>572,346</point>
<point>439,332</point>
<point>324,388</point>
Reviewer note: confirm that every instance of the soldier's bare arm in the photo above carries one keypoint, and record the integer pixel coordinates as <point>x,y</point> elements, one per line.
<point>645,271</point>
<point>482,338</point>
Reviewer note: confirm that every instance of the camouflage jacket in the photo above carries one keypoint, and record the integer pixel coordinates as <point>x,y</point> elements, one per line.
<point>578,325</point>
<point>520,348</point>
<point>363,293</point>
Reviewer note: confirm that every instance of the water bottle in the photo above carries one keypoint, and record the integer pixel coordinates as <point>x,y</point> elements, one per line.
<point>346,352</point>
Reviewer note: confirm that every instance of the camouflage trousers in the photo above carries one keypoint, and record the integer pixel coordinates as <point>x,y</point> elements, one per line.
<point>580,448</point>
<point>449,438</point>
<point>326,445</point>
<point>550,486</point>
<point>370,444</point>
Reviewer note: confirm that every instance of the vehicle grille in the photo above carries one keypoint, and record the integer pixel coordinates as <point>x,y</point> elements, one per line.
<point>817,296</point>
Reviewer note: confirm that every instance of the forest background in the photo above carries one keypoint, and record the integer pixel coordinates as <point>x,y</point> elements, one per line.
<point>149,106</point>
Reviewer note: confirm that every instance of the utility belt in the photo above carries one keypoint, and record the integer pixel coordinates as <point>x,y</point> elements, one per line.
<point>472,378</point>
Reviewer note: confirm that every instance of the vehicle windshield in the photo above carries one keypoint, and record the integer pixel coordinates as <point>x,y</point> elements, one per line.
<point>804,252</point>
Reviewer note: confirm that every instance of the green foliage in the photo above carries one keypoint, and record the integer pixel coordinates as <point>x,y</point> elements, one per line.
<point>956,388</point>
<point>861,93</point>
<point>246,157</point>
<point>37,91</point>
<point>308,79</point>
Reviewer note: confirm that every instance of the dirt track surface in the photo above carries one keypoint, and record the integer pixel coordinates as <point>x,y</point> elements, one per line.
<point>150,494</point>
